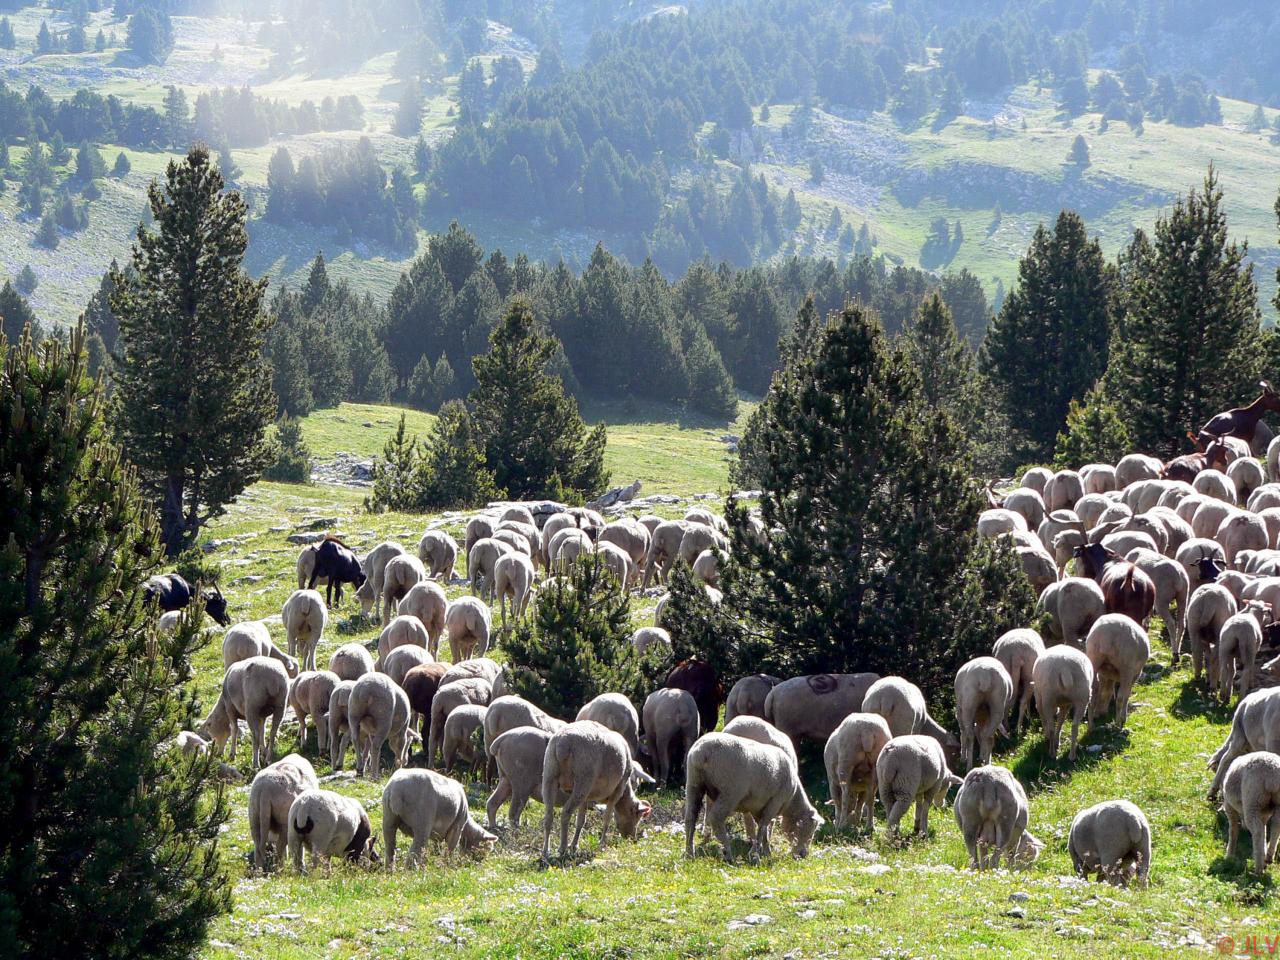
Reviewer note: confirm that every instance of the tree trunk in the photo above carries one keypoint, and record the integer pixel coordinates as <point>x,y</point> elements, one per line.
<point>173,526</point>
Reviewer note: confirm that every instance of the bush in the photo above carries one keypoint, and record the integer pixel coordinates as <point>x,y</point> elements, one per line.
<point>445,472</point>
<point>1096,433</point>
<point>292,463</point>
<point>577,645</point>
<point>197,567</point>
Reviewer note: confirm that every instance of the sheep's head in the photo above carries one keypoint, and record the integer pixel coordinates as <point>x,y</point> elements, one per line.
<point>366,598</point>
<point>629,813</point>
<point>1209,567</point>
<point>800,829</point>
<point>1028,850</point>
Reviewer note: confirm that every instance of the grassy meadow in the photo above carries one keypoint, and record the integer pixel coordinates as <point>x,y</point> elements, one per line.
<point>853,897</point>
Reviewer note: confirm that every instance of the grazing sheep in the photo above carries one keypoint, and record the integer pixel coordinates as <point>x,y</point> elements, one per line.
<point>812,707</point>
<point>515,540</point>
<point>1097,478</point>
<point>1214,484</point>
<point>555,523</point>
<point>1036,478</point>
<point>1172,591</point>
<point>339,731</point>
<point>1135,467</point>
<point>271,795</point>
<point>1177,531</point>
<point>1040,568</point>
<point>1242,531</point>
<point>747,696</point>
<point>1210,607</point>
<point>450,696</point>
<point>996,521</point>
<point>483,667</point>
<point>1118,649</point>
<point>1208,517</point>
<point>589,521</point>
<point>508,712</point>
<point>1090,507</point>
<point>1113,840</point>
<point>458,742</point>
<point>850,759</point>
<point>699,537</point>
<point>912,769</point>
<point>403,631</point>
<point>617,562</point>
<point>706,567</point>
<point>529,532</point>
<point>671,725</point>
<point>762,731</point>
<point>246,640</point>
<point>1251,797</point>
<point>1202,559</point>
<point>518,756</point>
<point>481,560</point>
<point>378,711</point>
<point>992,811</point>
<point>900,702</point>
<point>984,692</point>
<point>1265,497</point>
<point>427,602</point>
<point>351,661</point>
<point>632,537</point>
<point>420,686</point>
<point>1254,726</point>
<point>587,763</point>
<point>1074,606</point>
<point>398,578</point>
<point>703,684</point>
<point>1238,645</point>
<point>648,638</point>
<point>664,548</point>
<point>1063,678</point>
<point>1027,502</point>
<point>567,546</point>
<point>513,577</point>
<point>401,660</point>
<point>707,519</point>
<point>304,615</point>
<point>1126,541</point>
<point>616,712</point>
<point>252,690</point>
<point>375,566</point>
<point>744,776</point>
<point>1062,490</point>
<point>328,824</point>
<point>1018,650</point>
<point>307,563</point>
<point>478,528</point>
<point>428,806</point>
<point>309,696</point>
<point>168,622</point>
<point>439,554</point>
<point>468,624</point>
<point>1246,476</point>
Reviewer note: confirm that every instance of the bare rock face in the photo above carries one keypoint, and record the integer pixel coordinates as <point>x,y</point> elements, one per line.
<point>616,495</point>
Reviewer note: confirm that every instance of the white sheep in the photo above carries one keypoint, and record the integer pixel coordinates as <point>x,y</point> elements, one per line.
<point>1090,507</point>
<point>351,661</point>
<point>478,528</point>
<point>428,806</point>
<point>992,812</point>
<point>632,537</point>
<point>327,824</point>
<point>245,640</point>
<point>617,562</point>
<point>1113,840</point>
<point>811,707</point>
<point>664,549</point>
<point>378,711</point>
<point>252,690</point>
<point>1062,490</point>
<point>1063,678</point>
<point>439,554</point>
<point>427,602</point>
<point>517,541</point>
<point>615,711</point>
<point>650,638</point>
<point>1118,649</point>
<point>398,578</point>
<point>1215,484</point>
<point>403,631</point>
<point>1238,645</point>
<point>1247,476</point>
<point>513,577</point>
<point>458,743</point>
<point>588,763</point>
<point>1035,478</point>
<point>747,696</point>
<point>984,692</point>
<point>850,760</point>
<point>699,537</point>
<point>374,565</point>
<point>169,621</point>
<point>1210,607</point>
<point>481,559</point>
<point>309,695</point>
<point>271,794</point>
<point>1018,650</point>
<point>1172,591</point>
<point>567,546</point>
<point>671,726</point>
<point>1251,797</point>
<point>518,755</point>
<point>1254,726</point>
<point>996,521</point>
<point>1098,478</point>
<point>304,615</point>
<point>1242,531</point>
<point>401,660</point>
<point>339,731</point>
<point>469,625</point>
<point>1209,517</point>
<point>449,696</point>
<point>530,533</point>
<point>484,667</point>
<point>744,776</point>
<point>1027,502</point>
<point>1135,467</point>
<point>912,769</point>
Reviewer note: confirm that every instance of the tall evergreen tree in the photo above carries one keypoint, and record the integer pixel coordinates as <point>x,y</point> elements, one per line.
<point>317,285</point>
<point>193,386</point>
<point>1048,344</point>
<point>1192,341</point>
<point>109,846</point>
<point>869,495</point>
<point>948,378</point>
<point>15,313</point>
<point>535,441</point>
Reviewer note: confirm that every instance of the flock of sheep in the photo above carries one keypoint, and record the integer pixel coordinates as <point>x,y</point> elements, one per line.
<point>1201,552</point>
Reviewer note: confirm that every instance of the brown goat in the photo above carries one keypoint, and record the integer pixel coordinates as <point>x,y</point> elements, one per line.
<point>1241,421</point>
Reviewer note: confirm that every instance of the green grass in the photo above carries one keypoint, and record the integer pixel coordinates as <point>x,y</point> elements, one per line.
<point>852,897</point>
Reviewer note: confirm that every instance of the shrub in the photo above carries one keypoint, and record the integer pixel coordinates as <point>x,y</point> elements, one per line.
<point>292,463</point>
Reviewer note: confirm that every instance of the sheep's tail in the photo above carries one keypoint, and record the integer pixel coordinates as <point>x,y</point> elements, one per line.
<point>306,828</point>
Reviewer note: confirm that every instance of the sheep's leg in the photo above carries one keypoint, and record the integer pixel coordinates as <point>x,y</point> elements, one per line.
<point>718,813</point>
<point>1233,832</point>
<point>548,818</point>
<point>896,812</point>
<point>1024,701</point>
<point>376,743</point>
<point>1197,656</point>
<point>292,639</point>
<point>604,831</point>
<point>1123,692</point>
<point>501,794</point>
<point>564,827</point>
<point>841,793</point>
<point>1273,834</point>
<point>1077,717</point>
<point>275,726</point>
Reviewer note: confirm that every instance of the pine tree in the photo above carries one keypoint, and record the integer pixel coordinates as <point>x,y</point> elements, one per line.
<point>942,361</point>
<point>27,281</point>
<point>290,380</point>
<point>317,287</point>
<point>122,166</point>
<point>452,474</point>
<point>1079,155</point>
<point>1192,341</point>
<point>177,117</point>
<point>44,39</point>
<point>1258,120</point>
<point>292,463</point>
<point>577,645</point>
<point>1048,345</point>
<point>99,319</point>
<point>409,109</point>
<point>193,388</point>
<point>535,441</point>
<point>1095,433</point>
<point>15,313</point>
<point>869,497</point>
<point>710,387</point>
<point>7,40</point>
<point>421,159</point>
<point>47,233</point>
<point>110,841</point>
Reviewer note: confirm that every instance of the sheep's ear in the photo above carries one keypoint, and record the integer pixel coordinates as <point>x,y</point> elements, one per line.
<point>646,808</point>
